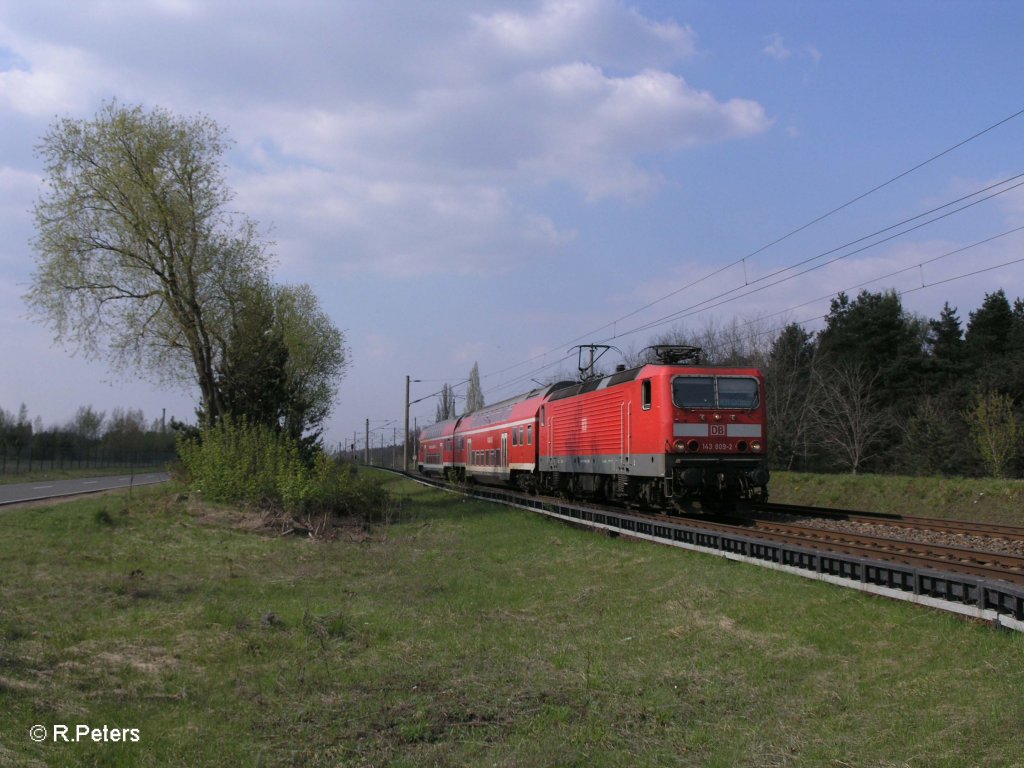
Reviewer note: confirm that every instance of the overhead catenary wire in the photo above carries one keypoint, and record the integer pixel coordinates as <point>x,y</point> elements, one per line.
<point>561,359</point>
<point>590,334</point>
<point>728,296</point>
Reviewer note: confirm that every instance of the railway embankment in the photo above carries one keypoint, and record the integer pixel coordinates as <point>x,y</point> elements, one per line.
<point>983,500</point>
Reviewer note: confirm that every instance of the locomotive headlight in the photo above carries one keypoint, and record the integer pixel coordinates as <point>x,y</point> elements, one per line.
<point>755,446</point>
<point>679,446</point>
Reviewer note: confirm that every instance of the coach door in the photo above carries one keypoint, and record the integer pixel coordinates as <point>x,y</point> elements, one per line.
<point>504,450</point>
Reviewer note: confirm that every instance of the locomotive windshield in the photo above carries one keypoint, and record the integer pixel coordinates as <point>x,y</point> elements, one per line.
<point>714,392</point>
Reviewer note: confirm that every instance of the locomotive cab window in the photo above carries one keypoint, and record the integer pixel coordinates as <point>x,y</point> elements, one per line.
<point>694,391</point>
<point>736,392</point>
<point>645,394</point>
<point>715,392</point>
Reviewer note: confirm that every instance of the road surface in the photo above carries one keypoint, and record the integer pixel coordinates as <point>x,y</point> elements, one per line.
<point>48,489</point>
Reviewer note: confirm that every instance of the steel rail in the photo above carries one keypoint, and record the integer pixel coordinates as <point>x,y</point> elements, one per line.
<point>991,530</point>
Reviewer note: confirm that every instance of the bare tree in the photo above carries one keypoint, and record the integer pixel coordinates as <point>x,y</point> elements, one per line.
<point>790,381</point>
<point>738,342</point>
<point>474,394</point>
<point>446,404</point>
<point>848,421</point>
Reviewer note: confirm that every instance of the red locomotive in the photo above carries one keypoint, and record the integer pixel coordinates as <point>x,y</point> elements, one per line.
<point>663,434</point>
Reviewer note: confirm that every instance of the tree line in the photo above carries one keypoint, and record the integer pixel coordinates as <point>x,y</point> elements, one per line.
<point>89,438</point>
<point>880,389</point>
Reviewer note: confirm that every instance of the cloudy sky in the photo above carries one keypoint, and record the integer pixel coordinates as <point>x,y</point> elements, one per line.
<point>493,182</point>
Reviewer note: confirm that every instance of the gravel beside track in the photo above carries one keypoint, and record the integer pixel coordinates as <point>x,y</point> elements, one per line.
<point>924,534</point>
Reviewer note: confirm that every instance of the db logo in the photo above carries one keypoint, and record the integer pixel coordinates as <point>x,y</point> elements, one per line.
<point>718,430</point>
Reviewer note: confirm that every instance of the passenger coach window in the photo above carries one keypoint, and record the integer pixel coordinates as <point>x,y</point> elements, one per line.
<point>529,434</point>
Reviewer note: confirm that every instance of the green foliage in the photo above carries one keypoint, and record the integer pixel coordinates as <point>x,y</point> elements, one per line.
<point>137,252</point>
<point>996,431</point>
<point>920,410</point>
<point>236,461</point>
<point>140,259</point>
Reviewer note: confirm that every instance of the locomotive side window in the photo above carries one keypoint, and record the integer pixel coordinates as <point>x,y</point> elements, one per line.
<point>645,394</point>
<point>737,392</point>
<point>694,391</point>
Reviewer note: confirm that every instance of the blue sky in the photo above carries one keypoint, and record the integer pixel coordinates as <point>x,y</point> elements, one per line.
<point>487,182</point>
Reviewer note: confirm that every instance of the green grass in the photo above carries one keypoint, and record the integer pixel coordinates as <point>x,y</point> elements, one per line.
<point>467,634</point>
<point>984,500</point>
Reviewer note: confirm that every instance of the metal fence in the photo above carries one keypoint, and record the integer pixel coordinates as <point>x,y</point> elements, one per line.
<point>22,460</point>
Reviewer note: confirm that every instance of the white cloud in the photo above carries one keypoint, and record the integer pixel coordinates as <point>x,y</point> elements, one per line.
<point>411,144</point>
<point>776,47</point>
<point>350,223</point>
<point>584,30</point>
<point>571,123</point>
<point>48,79</point>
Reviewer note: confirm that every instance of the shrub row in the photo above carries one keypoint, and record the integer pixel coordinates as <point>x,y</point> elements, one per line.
<point>234,461</point>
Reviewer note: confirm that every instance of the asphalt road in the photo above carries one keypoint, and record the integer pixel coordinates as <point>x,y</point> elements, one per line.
<point>48,489</point>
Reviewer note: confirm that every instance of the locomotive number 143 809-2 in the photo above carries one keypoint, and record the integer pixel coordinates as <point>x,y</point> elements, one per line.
<point>715,447</point>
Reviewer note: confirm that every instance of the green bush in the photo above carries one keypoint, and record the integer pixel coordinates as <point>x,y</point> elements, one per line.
<point>238,462</point>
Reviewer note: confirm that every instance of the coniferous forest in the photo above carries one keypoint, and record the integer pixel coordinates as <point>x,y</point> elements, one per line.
<point>879,389</point>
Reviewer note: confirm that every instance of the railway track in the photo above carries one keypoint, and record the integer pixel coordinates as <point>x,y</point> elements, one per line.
<point>983,561</point>
<point>972,570</point>
<point>971,533</point>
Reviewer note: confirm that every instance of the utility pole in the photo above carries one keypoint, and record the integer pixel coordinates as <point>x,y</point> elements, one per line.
<point>405,443</point>
<point>367,442</point>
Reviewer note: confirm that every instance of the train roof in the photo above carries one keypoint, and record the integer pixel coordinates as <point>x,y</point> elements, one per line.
<point>632,374</point>
<point>444,428</point>
<point>501,411</point>
<point>491,414</point>
<point>598,382</point>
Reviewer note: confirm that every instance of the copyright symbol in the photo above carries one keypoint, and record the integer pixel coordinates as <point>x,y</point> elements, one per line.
<point>37,733</point>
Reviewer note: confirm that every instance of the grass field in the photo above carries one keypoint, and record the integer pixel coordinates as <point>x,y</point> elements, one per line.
<point>987,500</point>
<point>466,634</point>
